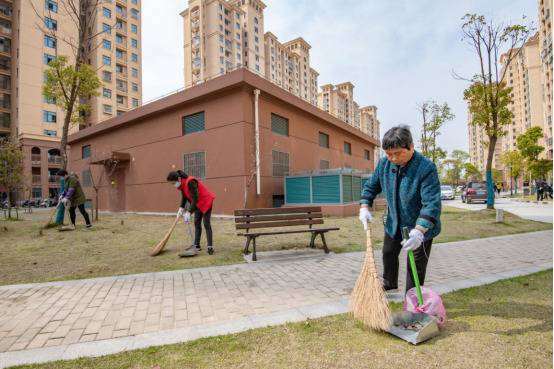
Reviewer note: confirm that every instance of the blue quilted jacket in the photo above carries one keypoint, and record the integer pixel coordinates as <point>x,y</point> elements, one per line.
<point>419,194</point>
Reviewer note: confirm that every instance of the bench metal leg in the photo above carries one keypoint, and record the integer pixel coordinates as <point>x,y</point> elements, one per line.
<point>246,252</point>
<point>254,258</point>
<point>324,243</point>
<point>312,241</point>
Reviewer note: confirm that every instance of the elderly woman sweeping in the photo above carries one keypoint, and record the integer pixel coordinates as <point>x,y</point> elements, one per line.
<point>412,189</point>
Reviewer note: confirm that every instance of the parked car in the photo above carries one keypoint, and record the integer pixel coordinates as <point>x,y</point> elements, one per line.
<point>475,191</point>
<point>460,188</point>
<point>447,193</point>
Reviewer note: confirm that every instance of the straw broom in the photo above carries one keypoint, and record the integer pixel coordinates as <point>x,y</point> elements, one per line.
<point>369,301</point>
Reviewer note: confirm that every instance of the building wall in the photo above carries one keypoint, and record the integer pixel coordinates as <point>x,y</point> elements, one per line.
<point>545,44</point>
<point>156,145</point>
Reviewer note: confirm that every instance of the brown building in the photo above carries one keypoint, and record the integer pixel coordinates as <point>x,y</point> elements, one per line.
<point>209,130</point>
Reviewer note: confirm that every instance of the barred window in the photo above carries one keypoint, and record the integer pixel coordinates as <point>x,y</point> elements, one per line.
<point>366,155</point>
<point>280,163</point>
<point>323,140</point>
<point>323,164</point>
<point>85,151</point>
<point>193,123</point>
<point>87,178</point>
<point>279,125</point>
<point>195,164</point>
<point>348,148</point>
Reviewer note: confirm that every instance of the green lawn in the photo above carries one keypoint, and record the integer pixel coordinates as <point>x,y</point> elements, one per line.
<point>503,325</point>
<point>119,243</point>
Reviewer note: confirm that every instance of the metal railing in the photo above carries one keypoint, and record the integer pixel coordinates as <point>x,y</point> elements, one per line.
<point>36,178</point>
<point>53,179</point>
<point>35,158</point>
<point>55,159</point>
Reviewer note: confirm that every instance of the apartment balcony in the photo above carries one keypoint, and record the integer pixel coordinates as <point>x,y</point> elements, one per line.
<point>35,159</point>
<point>121,27</point>
<point>53,180</point>
<point>5,30</point>
<point>195,14</point>
<point>121,14</point>
<point>196,42</point>
<point>35,179</point>
<point>5,11</point>
<point>55,160</point>
<point>196,63</point>
<point>195,25</point>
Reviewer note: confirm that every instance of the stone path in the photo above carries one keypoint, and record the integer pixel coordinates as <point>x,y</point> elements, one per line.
<point>49,321</point>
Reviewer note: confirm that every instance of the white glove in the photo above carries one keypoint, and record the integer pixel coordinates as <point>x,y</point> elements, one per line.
<point>365,217</point>
<point>186,216</point>
<point>180,212</point>
<point>66,202</point>
<point>415,240</point>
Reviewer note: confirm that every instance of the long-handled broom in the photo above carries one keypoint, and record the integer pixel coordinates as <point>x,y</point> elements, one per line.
<point>369,301</point>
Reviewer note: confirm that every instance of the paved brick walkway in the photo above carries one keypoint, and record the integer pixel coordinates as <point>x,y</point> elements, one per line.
<point>47,321</point>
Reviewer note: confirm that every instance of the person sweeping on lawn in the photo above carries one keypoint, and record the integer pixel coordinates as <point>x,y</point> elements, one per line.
<point>200,201</point>
<point>411,186</point>
<point>73,197</point>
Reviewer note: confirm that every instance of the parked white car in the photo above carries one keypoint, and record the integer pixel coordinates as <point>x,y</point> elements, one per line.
<point>447,193</point>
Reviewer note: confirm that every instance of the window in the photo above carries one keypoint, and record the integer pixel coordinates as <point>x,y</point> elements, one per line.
<point>323,140</point>
<point>106,28</point>
<point>135,103</point>
<point>49,41</point>
<point>348,148</point>
<point>134,28</point>
<point>120,99</point>
<point>134,72</point>
<point>49,100</point>
<point>48,58</point>
<point>193,123</point>
<point>50,23</point>
<point>134,13</point>
<point>106,92</point>
<point>49,116</point>
<point>107,12</point>
<point>107,76</point>
<point>134,87</point>
<point>134,43</point>
<point>237,25</point>
<point>107,44</point>
<point>49,132</point>
<point>106,60</point>
<point>85,151</point>
<point>36,193</point>
<point>256,38</point>
<point>119,39</point>
<point>51,5</point>
<point>195,164</point>
<point>255,20</point>
<point>323,164</point>
<point>238,36</point>
<point>279,125</point>
<point>87,178</point>
<point>118,54</point>
<point>134,2</point>
<point>366,155</point>
<point>107,108</point>
<point>280,163</point>
<point>134,57</point>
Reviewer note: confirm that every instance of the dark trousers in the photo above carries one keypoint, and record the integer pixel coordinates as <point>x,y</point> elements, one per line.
<point>198,217</point>
<point>391,251</point>
<point>82,210</point>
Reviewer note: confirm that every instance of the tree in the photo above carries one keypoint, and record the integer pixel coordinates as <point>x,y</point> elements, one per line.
<point>64,84</point>
<point>455,166</point>
<point>497,175</point>
<point>434,116</point>
<point>487,96</point>
<point>513,161</point>
<point>539,169</point>
<point>527,144</point>
<point>11,169</point>
<point>471,173</point>
<point>72,81</point>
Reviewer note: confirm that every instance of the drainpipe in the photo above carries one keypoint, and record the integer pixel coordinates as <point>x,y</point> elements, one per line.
<point>257,130</point>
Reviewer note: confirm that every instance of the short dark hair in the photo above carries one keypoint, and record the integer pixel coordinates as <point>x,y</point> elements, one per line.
<point>398,137</point>
<point>175,175</point>
<point>62,172</point>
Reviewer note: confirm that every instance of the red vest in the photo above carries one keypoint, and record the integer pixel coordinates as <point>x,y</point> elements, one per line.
<point>205,197</point>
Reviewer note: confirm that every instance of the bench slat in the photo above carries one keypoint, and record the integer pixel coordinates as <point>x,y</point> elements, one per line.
<point>286,232</point>
<point>276,211</point>
<point>279,224</point>
<point>265,218</point>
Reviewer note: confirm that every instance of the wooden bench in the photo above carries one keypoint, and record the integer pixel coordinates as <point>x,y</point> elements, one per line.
<point>268,218</point>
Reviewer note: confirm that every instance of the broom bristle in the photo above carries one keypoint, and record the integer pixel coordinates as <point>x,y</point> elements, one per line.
<point>369,301</point>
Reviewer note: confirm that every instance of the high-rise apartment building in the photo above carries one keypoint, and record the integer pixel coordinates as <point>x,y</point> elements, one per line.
<point>545,45</point>
<point>25,51</point>
<point>220,36</point>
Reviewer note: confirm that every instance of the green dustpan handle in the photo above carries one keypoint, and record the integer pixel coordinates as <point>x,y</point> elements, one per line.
<point>415,277</point>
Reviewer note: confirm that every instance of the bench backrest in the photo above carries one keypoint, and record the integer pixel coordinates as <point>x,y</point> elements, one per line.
<point>278,217</point>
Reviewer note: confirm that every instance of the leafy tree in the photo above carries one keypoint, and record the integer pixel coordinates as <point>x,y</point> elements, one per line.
<point>513,161</point>
<point>527,144</point>
<point>487,96</point>
<point>434,116</point>
<point>11,169</point>
<point>471,173</point>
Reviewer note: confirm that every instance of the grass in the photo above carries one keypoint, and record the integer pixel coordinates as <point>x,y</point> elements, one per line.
<point>505,325</point>
<point>119,244</point>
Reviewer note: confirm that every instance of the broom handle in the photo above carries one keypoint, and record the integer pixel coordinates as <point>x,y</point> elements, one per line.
<point>411,257</point>
<point>369,252</point>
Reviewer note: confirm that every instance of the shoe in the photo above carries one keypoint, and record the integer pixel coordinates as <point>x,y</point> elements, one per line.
<point>389,288</point>
<point>198,248</point>
<point>89,226</point>
<point>210,250</point>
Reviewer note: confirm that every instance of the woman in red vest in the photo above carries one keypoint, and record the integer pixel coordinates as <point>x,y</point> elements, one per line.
<point>200,199</point>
